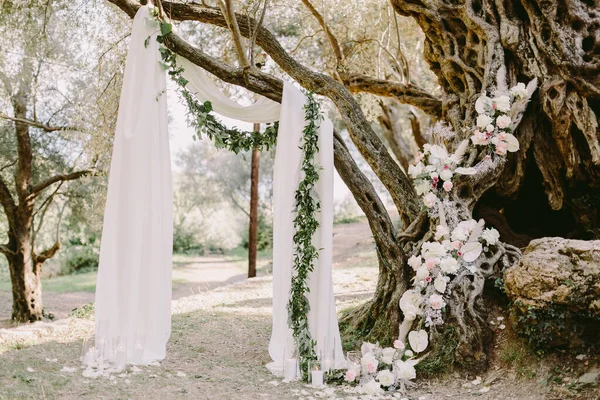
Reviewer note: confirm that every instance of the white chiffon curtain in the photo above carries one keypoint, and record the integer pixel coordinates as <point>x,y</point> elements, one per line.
<point>133,291</point>
<point>134,281</point>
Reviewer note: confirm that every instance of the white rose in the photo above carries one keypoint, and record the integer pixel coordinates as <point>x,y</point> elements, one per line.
<point>446,174</point>
<point>371,388</point>
<point>415,262</point>
<point>369,363</point>
<point>502,103</point>
<point>386,378</point>
<point>519,91</point>
<point>490,128</point>
<point>436,301</point>
<point>429,200</point>
<point>433,250</point>
<point>449,265</point>
<point>490,236</point>
<point>422,273</point>
<point>422,186</point>
<point>503,121</point>
<point>387,355</point>
<point>410,304</point>
<point>483,121</point>
<point>483,104</point>
<point>426,148</point>
<point>405,370</point>
<point>440,283</point>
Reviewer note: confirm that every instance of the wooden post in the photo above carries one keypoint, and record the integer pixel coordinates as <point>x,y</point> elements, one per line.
<point>253,229</point>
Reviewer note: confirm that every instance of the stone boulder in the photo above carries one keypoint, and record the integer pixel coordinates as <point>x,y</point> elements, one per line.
<point>555,292</point>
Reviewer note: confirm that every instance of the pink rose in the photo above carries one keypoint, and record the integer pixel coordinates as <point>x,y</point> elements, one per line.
<point>350,375</point>
<point>371,368</point>
<point>431,262</point>
<point>502,136</point>
<point>448,186</point>
<point>457,244</point>
<point>501,148</point>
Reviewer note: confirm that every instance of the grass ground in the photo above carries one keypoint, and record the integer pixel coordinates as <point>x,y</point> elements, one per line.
<point>218,349</point>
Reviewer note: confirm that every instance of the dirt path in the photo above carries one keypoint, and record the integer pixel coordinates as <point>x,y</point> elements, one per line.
<point>219,345</point>
<point>202,274</point>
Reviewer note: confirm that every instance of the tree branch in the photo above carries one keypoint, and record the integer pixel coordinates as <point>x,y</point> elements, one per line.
<point>37,189</point>
<point>361,132</point>
<point>335,46</point>
<point>7,201</point>
<point>40,125</point>
<point>407,94</point>
<point>232,24</point>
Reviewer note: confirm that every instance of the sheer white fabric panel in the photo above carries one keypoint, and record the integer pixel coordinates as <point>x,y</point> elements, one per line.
<point>133,293</point>
<point>262,111</point>
<point>322,317</point>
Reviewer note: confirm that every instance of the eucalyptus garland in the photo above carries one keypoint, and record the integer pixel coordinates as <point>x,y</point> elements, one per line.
<point>307,205</point>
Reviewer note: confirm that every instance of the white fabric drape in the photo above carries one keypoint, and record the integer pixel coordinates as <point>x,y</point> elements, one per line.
<point>134,280</point>
<point>133,293</point>
<point>322,317</point>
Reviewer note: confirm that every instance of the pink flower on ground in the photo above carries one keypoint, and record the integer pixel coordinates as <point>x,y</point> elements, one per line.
<point>350,375</point>
<point>448,186</point>
<point>398,344</point>
<point>371,368</point>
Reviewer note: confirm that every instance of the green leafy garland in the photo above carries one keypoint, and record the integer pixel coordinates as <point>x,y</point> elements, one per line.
<point>307,205</point>
<point>305,226</point>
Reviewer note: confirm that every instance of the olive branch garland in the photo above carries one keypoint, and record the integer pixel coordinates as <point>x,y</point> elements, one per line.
<point>307,204</point>
<point>305,226</point>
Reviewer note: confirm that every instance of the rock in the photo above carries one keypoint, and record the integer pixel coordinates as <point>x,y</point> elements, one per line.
<point>590,378</point>
<point>555,292</point>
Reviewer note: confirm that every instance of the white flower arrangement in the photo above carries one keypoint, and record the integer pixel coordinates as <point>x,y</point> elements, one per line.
<point>451,251</point>
<point>389,368</point>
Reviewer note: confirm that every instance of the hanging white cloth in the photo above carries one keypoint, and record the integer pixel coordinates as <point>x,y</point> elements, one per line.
<point>322,317</point>
<point>133,293</point>
<point>134,279</point>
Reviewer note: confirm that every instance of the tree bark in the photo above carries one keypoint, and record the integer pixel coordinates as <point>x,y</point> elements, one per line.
<point>253,228</point>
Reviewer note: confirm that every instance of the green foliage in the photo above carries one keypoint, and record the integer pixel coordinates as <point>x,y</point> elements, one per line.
<point>265,234</point>
<point>305,226</point>
<point>442,354</point>
<point>86,311</point>
<point>200,117</point>
<point>185,241</point>
<point>81,256</point>
<point>554,325</point>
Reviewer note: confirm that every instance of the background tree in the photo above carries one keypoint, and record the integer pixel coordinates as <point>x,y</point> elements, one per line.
<point>466,43</point>
<point>54,95</point>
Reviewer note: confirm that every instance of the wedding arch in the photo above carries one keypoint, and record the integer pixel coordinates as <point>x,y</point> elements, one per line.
<point>451,254</point>
<point>133,296</point>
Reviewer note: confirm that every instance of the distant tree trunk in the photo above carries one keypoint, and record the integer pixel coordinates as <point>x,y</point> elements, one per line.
<point>25,264</point>
<point>253,228</point>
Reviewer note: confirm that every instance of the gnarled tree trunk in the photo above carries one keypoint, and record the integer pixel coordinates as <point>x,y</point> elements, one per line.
<point>467,42</point>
